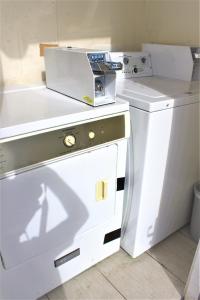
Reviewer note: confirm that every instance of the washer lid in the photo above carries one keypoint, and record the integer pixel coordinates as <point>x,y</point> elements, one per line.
<point>157,93</point>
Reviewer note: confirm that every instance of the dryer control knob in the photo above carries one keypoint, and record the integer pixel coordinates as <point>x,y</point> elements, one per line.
<point>91,135</point>
<point>69,140</point>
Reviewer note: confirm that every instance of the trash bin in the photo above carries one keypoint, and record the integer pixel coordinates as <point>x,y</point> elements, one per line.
<point>195,221</point>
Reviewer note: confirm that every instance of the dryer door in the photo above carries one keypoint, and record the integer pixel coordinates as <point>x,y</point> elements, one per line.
<point>52,205</point>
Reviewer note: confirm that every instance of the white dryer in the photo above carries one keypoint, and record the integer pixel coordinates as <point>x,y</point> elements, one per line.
<point>62,168</point>
<point>162,161</point>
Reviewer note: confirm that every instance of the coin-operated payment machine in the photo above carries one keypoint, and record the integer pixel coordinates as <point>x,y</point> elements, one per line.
<point>85,75</point>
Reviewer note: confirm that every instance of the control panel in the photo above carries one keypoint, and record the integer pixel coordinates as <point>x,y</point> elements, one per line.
<point>26,151</point>
<point>134,64</point>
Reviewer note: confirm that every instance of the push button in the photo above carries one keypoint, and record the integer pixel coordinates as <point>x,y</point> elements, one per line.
<point>91,135</point>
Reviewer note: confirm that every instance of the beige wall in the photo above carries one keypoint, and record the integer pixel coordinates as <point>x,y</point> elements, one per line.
<point>173,21</point>
<point>110,24</point>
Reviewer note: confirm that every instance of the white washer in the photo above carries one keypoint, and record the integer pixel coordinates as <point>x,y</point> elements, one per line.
<point>162,159</point>
<point>62,166</point>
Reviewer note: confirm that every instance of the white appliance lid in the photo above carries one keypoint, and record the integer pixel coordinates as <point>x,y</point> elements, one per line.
<point>32,109</point>
<point>157,93</point>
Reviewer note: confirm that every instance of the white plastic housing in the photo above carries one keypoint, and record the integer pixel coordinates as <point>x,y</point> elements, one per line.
<point>68,71</point>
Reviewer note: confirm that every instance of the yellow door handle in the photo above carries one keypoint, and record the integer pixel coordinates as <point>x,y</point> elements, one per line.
<point>101,190</point>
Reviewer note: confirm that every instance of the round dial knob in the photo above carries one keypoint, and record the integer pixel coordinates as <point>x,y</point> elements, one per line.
<point>69,140</point>
<point>143,60</point>
<point>91,135</point>
<point>126,60</point>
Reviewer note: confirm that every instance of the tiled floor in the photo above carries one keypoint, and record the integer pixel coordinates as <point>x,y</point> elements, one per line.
<point>160,273</point>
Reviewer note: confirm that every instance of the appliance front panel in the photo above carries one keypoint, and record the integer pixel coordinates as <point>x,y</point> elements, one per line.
<point>27,151</point>
<point>55,204</point>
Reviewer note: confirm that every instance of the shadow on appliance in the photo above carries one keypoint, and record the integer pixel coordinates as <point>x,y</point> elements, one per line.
<point>176,192</point>
<point>41,217</point>
<point>40,213</point>
<point>179,174</point>
<point>52,225</point>
<point>174,161</point>
<point>164,165</point>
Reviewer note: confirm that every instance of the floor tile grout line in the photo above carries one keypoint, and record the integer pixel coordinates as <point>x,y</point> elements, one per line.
<point>110,282</point>
<point>166,268</point>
